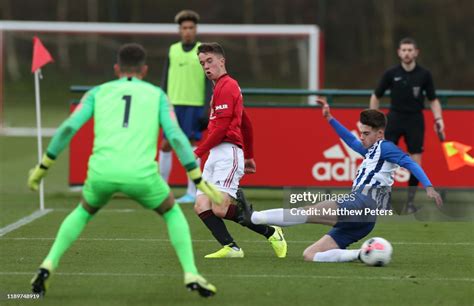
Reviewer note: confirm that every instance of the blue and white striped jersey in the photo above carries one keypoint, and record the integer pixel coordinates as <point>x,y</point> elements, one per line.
<point>375,170</point>
<point>380,161</point>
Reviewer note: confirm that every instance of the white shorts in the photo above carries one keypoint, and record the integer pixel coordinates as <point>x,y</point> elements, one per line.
<point>224,168</point>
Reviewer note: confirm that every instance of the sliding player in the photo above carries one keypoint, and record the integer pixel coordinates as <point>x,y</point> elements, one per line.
<point>370,189</point>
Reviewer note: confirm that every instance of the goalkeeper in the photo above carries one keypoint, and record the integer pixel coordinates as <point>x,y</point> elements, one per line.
<point>127,115</point>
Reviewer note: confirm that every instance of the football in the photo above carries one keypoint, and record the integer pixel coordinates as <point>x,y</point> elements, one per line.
<point>376,251</point>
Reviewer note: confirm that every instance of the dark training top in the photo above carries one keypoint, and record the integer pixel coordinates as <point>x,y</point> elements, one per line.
<point>407,88</point>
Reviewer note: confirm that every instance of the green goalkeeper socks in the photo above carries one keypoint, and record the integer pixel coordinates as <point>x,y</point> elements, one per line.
<point>180,236</point>
<point>69,231</point>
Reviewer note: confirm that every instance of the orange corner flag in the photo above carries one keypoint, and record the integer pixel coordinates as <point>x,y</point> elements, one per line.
<point>41,55</point>
<point>456,155</point>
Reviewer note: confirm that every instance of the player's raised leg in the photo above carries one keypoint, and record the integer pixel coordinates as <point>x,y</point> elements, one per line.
<point>225,168</point>
<point>331,247</point>
<point>229,167</point>
<point>274,234</point>
<point>289,217</point>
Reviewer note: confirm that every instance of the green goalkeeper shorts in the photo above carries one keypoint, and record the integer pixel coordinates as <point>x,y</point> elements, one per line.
<point>150,192</point>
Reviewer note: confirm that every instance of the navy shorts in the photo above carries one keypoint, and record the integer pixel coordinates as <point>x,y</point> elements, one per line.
<point>188,119</point>
<point>350,229</point>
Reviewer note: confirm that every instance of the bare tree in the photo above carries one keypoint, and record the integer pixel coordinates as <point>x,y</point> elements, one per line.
<point>12,62</point>
<point>135,15</point>
<point>93,39</point>
<point>282,46</point>
<point>364,30</point>
<point>252,43</point>
<point>63,47</point>
<point>385,9</point>
<point>463,16</point>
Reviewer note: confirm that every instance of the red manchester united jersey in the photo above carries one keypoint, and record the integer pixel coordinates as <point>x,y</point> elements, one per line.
<point>225,116</point>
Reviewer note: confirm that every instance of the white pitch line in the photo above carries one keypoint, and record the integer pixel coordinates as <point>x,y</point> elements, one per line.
<point>431,243</point>
<point>107,210</point>
<point>23,221</point>
<point>243,241</point>
<point>350,277</point>
<point>26,131</point>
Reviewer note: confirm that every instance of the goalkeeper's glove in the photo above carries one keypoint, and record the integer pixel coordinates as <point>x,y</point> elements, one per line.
<point>38,172</point>
<point>207,188</point>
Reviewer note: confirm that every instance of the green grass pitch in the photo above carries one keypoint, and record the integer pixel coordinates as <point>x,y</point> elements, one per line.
<point>124,257</point>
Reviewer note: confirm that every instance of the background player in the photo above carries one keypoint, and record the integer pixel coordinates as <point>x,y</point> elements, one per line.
<point>408,83</point>
<point>230,130</point>
<point>127,115</point>
<point>370,189</point>
<point>187,89</point>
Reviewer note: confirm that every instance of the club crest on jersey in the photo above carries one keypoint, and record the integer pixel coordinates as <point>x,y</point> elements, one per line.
<point>221,107</point>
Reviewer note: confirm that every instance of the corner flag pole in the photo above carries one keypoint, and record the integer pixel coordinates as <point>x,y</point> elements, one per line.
<point>41,57</point>
<point>38,129</point>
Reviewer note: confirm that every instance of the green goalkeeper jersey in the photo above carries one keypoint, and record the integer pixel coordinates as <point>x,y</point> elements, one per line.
<point>127,115</point>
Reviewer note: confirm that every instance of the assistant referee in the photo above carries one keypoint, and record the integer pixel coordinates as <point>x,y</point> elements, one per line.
<point>409,83</point>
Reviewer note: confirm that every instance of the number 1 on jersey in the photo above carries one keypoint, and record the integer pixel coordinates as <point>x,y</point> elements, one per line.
<point>126,116</point>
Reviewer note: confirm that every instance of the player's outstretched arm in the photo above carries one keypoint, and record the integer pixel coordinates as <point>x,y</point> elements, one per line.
<point>325,107</point>
<point>180,144</point>
<point>433,194</point>
<point>341,130</point>
<point>393,154</point>
<point>62,138</point>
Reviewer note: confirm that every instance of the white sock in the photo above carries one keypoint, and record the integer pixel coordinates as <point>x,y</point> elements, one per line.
<point>278,216</point>
<point>336,255</point>
<point>165,160</point>
<point>191,187</point>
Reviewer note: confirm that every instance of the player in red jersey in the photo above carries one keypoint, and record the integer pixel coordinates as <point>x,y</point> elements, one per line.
<point>229,131</point>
